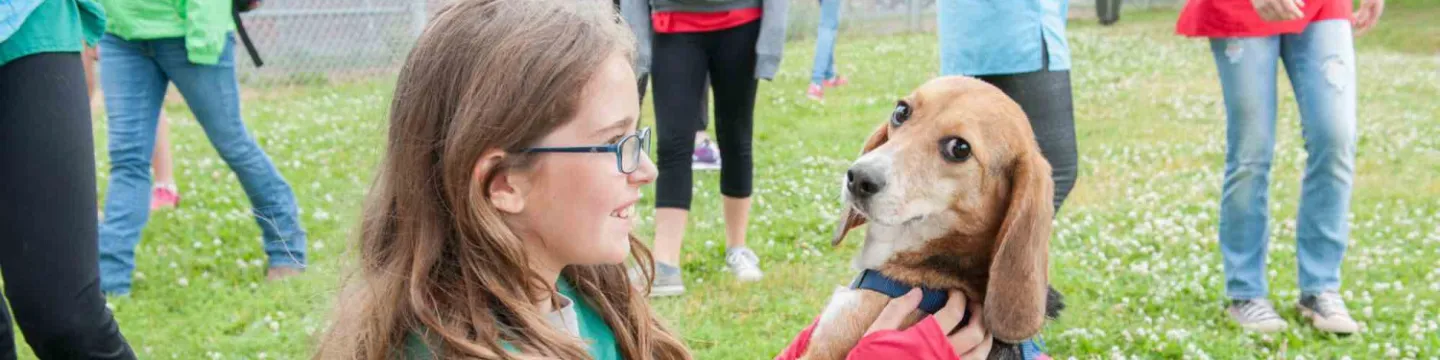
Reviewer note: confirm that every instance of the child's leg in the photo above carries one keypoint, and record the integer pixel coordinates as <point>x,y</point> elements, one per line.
<point>678,78</point>
<point>732,69</point>
<point>161,161</point>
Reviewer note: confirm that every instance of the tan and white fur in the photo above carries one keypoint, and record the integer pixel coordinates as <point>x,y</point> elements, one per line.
<point>978,224</point>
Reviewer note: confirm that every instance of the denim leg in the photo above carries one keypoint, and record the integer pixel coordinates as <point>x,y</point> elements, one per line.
<point>134,87</point>
<point>1321,65</point>
<point>1247,68</point>
<point>824,66</point>
<point>213,94</point>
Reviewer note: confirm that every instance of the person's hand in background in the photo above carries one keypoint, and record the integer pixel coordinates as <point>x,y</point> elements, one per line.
<point>1367,16</point>
<point>1279,10</point>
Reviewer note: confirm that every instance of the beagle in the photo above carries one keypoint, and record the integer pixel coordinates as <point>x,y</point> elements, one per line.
<point>958,197</point>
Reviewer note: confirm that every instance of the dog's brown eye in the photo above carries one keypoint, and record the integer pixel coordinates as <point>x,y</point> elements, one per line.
<point>955,149</point>
<point>900,115</point>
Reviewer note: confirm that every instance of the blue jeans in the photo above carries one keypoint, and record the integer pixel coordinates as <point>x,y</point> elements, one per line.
<point>134,78</point>
<point>824,68</point>
<point>1321,65</point>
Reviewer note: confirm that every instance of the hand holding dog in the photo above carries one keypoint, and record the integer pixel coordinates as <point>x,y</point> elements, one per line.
<point>969,342</point>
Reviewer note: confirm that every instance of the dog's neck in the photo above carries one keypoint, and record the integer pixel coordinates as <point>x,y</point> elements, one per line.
<point>883,241</point>
<point>927,253</point>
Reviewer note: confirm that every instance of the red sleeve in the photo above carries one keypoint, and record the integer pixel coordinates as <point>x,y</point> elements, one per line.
<point>797,346</point>
<point>924,341</point>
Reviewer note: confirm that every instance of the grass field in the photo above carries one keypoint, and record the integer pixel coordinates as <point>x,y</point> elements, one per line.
<point>1135,247</point>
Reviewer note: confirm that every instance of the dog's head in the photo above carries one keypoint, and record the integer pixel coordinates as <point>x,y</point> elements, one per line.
<point>957,161</point>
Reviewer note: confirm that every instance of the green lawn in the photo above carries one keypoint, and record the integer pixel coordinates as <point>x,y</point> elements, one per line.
<point>1135,249</point>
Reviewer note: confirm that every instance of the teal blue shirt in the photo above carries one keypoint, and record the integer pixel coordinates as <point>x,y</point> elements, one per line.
<point>593,330</point>
<point>30,27</point>
<point>997,37</point>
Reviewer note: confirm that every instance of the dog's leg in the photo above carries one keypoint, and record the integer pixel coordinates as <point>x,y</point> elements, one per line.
<point>844,321</point>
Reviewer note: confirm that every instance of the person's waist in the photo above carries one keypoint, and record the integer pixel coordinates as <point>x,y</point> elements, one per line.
<point>701,6</point>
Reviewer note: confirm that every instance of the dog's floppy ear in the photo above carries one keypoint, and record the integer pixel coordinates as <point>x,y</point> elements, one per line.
<point>1019,268</point>
<point>849,219</point>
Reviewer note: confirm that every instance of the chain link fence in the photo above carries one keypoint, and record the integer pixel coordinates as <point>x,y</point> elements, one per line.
<point>306,41</point>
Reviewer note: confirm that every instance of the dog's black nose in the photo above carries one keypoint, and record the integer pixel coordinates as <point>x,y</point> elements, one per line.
<point>862,184</point>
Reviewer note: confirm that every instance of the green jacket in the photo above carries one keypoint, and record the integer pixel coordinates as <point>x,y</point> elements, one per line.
<point>203,23</point>
<point>593,330</point>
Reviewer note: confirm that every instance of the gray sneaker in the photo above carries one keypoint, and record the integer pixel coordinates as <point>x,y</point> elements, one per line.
<point>668,281</point>
<point>744,263</point>
<point>1326,311</point>
<point>1256,315</point>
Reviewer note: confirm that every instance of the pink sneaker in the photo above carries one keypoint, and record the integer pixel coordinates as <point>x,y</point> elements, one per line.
<point>837,81</point>
<point>164,197</point>
<point>816,92</point>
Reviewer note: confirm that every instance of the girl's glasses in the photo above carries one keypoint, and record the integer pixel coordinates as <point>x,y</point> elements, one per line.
<point>627,151</point>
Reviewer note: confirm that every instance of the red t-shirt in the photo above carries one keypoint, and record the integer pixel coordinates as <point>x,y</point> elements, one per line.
<point>1238,18</point>
<point>670,22</point>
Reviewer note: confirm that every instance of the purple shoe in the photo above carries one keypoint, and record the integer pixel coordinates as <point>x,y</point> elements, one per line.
<point>706,157</point>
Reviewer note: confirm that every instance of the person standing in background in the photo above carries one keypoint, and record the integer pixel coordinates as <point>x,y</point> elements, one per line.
<point>1314,40</point>
<point>149,44</point>
<point>822,73</point>
<point>734,43</point>
<point>47,196</point>
<point>1020,47</point>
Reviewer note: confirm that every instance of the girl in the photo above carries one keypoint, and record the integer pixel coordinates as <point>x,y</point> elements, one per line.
<point>502,213</point>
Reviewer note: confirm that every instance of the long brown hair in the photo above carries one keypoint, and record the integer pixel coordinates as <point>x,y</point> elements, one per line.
<point>436,261</point>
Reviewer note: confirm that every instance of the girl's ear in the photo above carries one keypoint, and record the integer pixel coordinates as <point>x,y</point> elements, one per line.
<point>506,191</point>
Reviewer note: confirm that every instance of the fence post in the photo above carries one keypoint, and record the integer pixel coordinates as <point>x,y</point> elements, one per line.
<point>913,8</point>
<point>417,17</point>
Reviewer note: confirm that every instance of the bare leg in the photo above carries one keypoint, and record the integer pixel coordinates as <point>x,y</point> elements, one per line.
<point>161,161</point>
<point>737,217</point>
<point>669,232</point>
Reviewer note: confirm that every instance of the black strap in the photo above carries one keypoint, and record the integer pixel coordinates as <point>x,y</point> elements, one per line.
<point>245,38</point>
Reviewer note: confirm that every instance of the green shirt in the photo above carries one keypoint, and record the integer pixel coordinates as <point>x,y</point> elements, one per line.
<point>50,26</point>
<point>593,330</point>
<point>203,23</point>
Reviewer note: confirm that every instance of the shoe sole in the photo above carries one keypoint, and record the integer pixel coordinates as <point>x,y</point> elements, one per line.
<point>1266,327</point>
<point>745,278</point>
<point>704,166</point>
<point>1310,315</point>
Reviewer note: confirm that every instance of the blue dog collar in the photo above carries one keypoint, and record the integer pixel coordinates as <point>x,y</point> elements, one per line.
<point>874,280</point>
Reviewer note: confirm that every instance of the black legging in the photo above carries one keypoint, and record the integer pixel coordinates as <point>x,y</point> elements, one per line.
<point>1045,98</point>
<point>48,252</point>
<point>681,64</point>
<point>704,103</point>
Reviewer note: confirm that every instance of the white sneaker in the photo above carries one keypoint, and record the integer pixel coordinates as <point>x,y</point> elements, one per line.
<point>744,263</point>
<point>1256,315</point>
<point>1326,311</point>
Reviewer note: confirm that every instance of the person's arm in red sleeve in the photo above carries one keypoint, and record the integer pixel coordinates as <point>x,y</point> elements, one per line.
<point>797,346</point>
<point>923,341</point>
<point>926,340</point>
